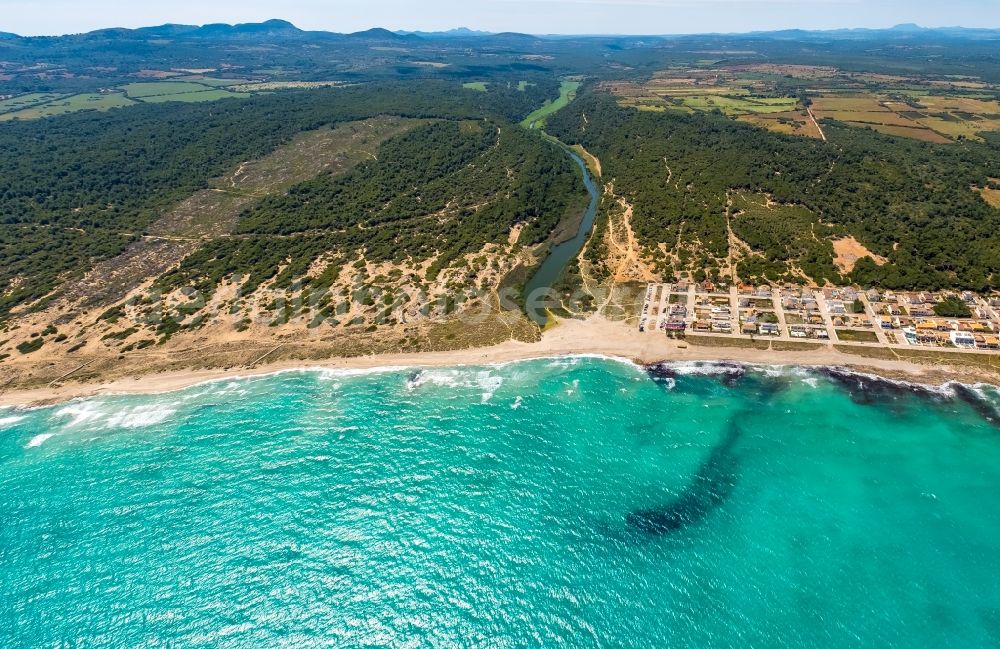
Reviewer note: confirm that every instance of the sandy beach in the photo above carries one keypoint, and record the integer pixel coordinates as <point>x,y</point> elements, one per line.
<point>594,336</point>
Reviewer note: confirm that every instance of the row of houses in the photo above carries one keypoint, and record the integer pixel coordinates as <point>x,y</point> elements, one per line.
<point>675,319</point>
<point>954,338</point>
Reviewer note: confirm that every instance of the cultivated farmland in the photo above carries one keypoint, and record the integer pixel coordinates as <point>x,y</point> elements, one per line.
<point>777,97</point>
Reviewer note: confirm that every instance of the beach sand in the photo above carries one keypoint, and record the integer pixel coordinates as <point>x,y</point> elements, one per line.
<point>593,336</point>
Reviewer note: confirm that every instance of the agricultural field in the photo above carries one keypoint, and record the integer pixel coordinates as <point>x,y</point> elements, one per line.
<point>201,95</point>
<point>71,104</point>
<point>479,86</point>
<point>567,91</point>
<point>748,99</point>
<point>774,97</point>
<point>188,89</point>
<point>161,88</point>
<point>793,122</point>
<point>27,100</point>
<point>734,105</point>
<point>939,119</point>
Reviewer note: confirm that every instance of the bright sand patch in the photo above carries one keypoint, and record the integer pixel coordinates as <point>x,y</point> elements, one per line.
<point>849,250</point>
<point>990,195</point>
<point>515,233</point>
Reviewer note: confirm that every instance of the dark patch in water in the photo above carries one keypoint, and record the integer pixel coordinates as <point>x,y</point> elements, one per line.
<point>875,391</point>
<point>717,475</point>
<point>985,409</point>
<point>872,390</point>
<point>661,371</point>
<point>729,373</point>
<point>734,373</point>
<point>710,487</point>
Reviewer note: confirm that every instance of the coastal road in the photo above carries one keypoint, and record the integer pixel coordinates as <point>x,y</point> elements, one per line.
<point>870,312</point>
<point>692,298</point>
<point>824,311</point>
<point>664,305</point>
<point>780,312</point>
<point>734,306</point>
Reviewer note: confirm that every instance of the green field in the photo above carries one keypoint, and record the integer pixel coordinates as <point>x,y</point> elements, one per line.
<point>475,85</point>
<point>201,95</point>
<point>26,101</point>
<point>567,92</point>
<point>732,105</point>
<point>161,88</point>
<point>192,89</point>
<point>71,104</point>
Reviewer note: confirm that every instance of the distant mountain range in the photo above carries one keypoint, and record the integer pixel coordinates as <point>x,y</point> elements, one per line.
<point>904,32</point>
<point>284,30</point>
<point>271,29</point>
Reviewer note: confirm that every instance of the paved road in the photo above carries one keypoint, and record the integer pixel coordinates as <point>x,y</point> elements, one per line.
<point>780,312</point>
<point>827,320</point>
<point>870,311</point>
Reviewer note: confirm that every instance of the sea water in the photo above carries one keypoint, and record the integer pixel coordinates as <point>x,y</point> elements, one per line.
<point>574,501</point>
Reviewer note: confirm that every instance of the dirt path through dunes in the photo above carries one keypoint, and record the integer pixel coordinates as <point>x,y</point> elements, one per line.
<point>631,267</point>
<point>816,124</point>
<point>631,256</point>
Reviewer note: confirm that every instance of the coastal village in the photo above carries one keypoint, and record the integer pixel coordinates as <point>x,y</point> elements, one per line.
<point>956,320</point>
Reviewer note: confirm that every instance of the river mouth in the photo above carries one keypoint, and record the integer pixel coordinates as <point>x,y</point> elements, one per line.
<point>538,294</point>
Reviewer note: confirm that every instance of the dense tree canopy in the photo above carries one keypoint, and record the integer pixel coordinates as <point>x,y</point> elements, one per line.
<point>908,201</point>
<point>438,191</point>
<point>80,187</point>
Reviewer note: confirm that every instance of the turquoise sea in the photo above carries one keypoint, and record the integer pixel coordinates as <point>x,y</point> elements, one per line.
<point>563,502</point>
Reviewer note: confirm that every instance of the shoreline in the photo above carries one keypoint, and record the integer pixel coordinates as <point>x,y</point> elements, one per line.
<point>595,337</point>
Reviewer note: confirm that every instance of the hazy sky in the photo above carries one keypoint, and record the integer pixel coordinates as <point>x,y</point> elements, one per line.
<point>31,17</point>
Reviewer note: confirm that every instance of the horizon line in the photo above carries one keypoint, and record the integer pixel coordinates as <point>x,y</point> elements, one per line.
<point>488,32</point>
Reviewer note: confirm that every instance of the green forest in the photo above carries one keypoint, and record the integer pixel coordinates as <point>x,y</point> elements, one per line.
<point>908,201</point>
<point>441,190</point>
<point>81,187</point>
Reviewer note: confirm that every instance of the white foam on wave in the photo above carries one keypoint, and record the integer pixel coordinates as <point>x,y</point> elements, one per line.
<point>489,383</point>
<point>38,440</point>
<point>517,403</point>
<point>140,416</point>
<point>945,389</point>
<point>698,368</point>
<point>10,421</point>
<point>101,413</point>
<point>808,374</point>
<point>333,373</point>
<point>564,361</point>
<point>484,380</point>
<point>986,392</point>
<point>81,412</point>
<point>438,377</point>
